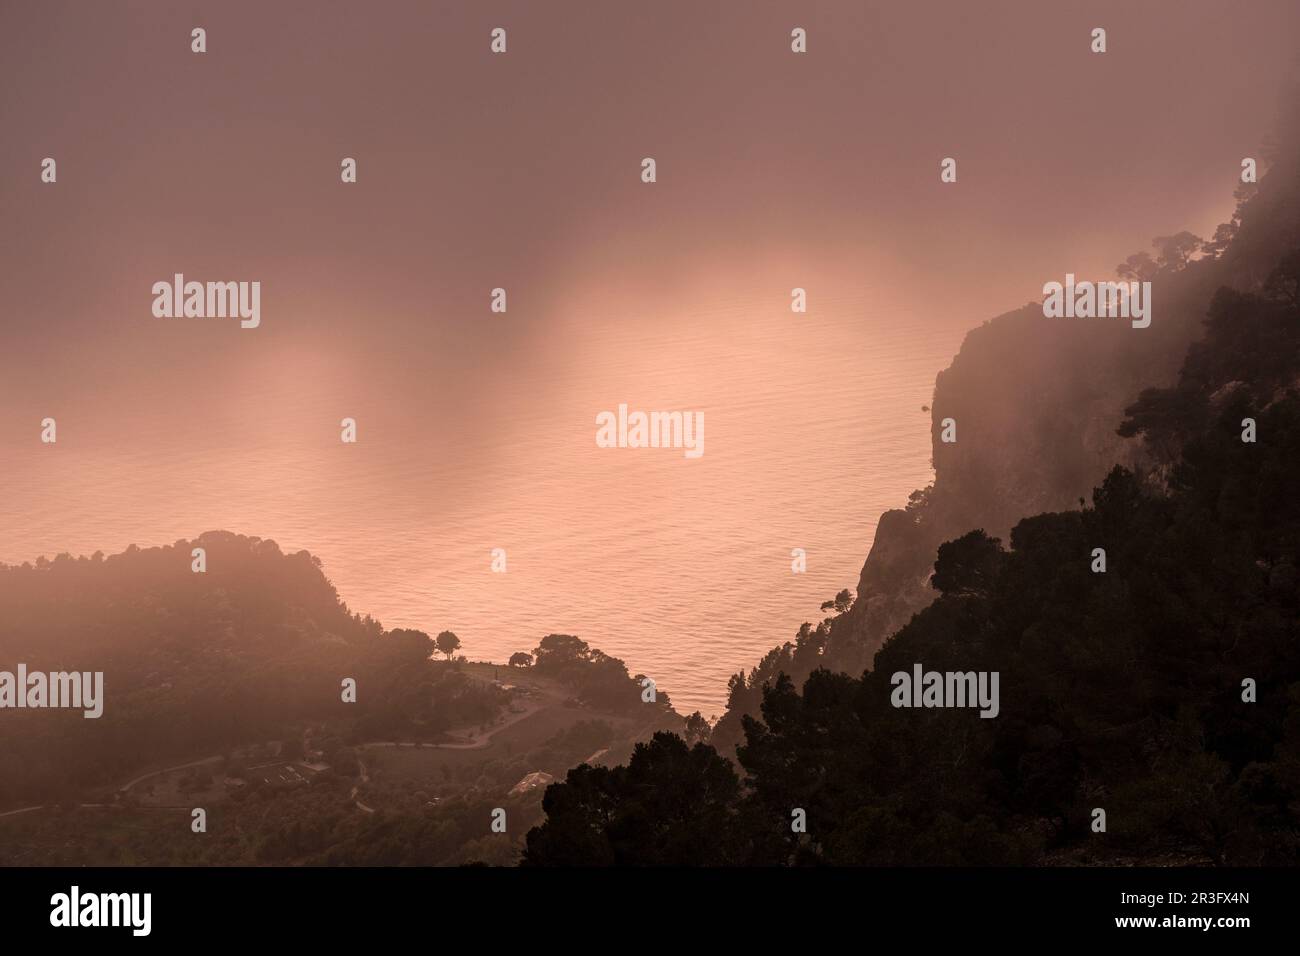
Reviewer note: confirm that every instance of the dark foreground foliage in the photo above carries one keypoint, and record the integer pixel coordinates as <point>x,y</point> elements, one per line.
<point>1120,690</point>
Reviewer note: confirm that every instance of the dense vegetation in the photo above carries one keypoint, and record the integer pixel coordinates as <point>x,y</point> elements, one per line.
<point>195,663</point>
<point>1120,690</point>
<point>596,679</point>
<point>230,674</point>
<point>427,812</point>
<point>1038,403</point>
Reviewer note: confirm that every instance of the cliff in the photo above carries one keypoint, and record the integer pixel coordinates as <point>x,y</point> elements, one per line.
<point>1037,403</point>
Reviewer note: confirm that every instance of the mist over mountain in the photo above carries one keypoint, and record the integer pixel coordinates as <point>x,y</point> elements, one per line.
<point>1164,691</point>
<point>1037,403</point>
<point>1113,542</point>
<point>227,689</point>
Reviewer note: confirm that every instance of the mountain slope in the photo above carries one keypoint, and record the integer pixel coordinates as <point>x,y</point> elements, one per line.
<point>1036,402</point>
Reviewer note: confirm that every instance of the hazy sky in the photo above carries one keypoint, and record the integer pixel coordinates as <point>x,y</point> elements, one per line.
<point>522,170</point>
<point>775,170</point>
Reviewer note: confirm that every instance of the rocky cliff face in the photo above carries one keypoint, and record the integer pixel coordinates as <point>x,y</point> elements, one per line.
<point>1036,402</point>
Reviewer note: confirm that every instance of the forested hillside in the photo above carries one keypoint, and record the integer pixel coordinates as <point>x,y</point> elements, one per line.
<point>1162,689</point>
<point>1036,404</point>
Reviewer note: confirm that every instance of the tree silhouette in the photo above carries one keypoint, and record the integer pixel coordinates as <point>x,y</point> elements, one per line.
<point>672,805</point>
<point>448,643</point>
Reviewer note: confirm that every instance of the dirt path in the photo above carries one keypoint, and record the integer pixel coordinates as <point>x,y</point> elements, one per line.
<point>153,773</point>
<point>356,788</point>
<point>93,806</point>
<point>479,743</point>
<point>14,813</point>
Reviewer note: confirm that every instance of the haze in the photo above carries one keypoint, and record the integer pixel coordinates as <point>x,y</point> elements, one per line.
<point>521,171</point>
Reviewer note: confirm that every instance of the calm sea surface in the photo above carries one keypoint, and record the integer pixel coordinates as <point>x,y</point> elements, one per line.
<point>813,427</point>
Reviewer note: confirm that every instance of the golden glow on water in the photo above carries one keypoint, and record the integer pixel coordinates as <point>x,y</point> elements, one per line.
<point>522,171</point>
<point>681,567</point>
